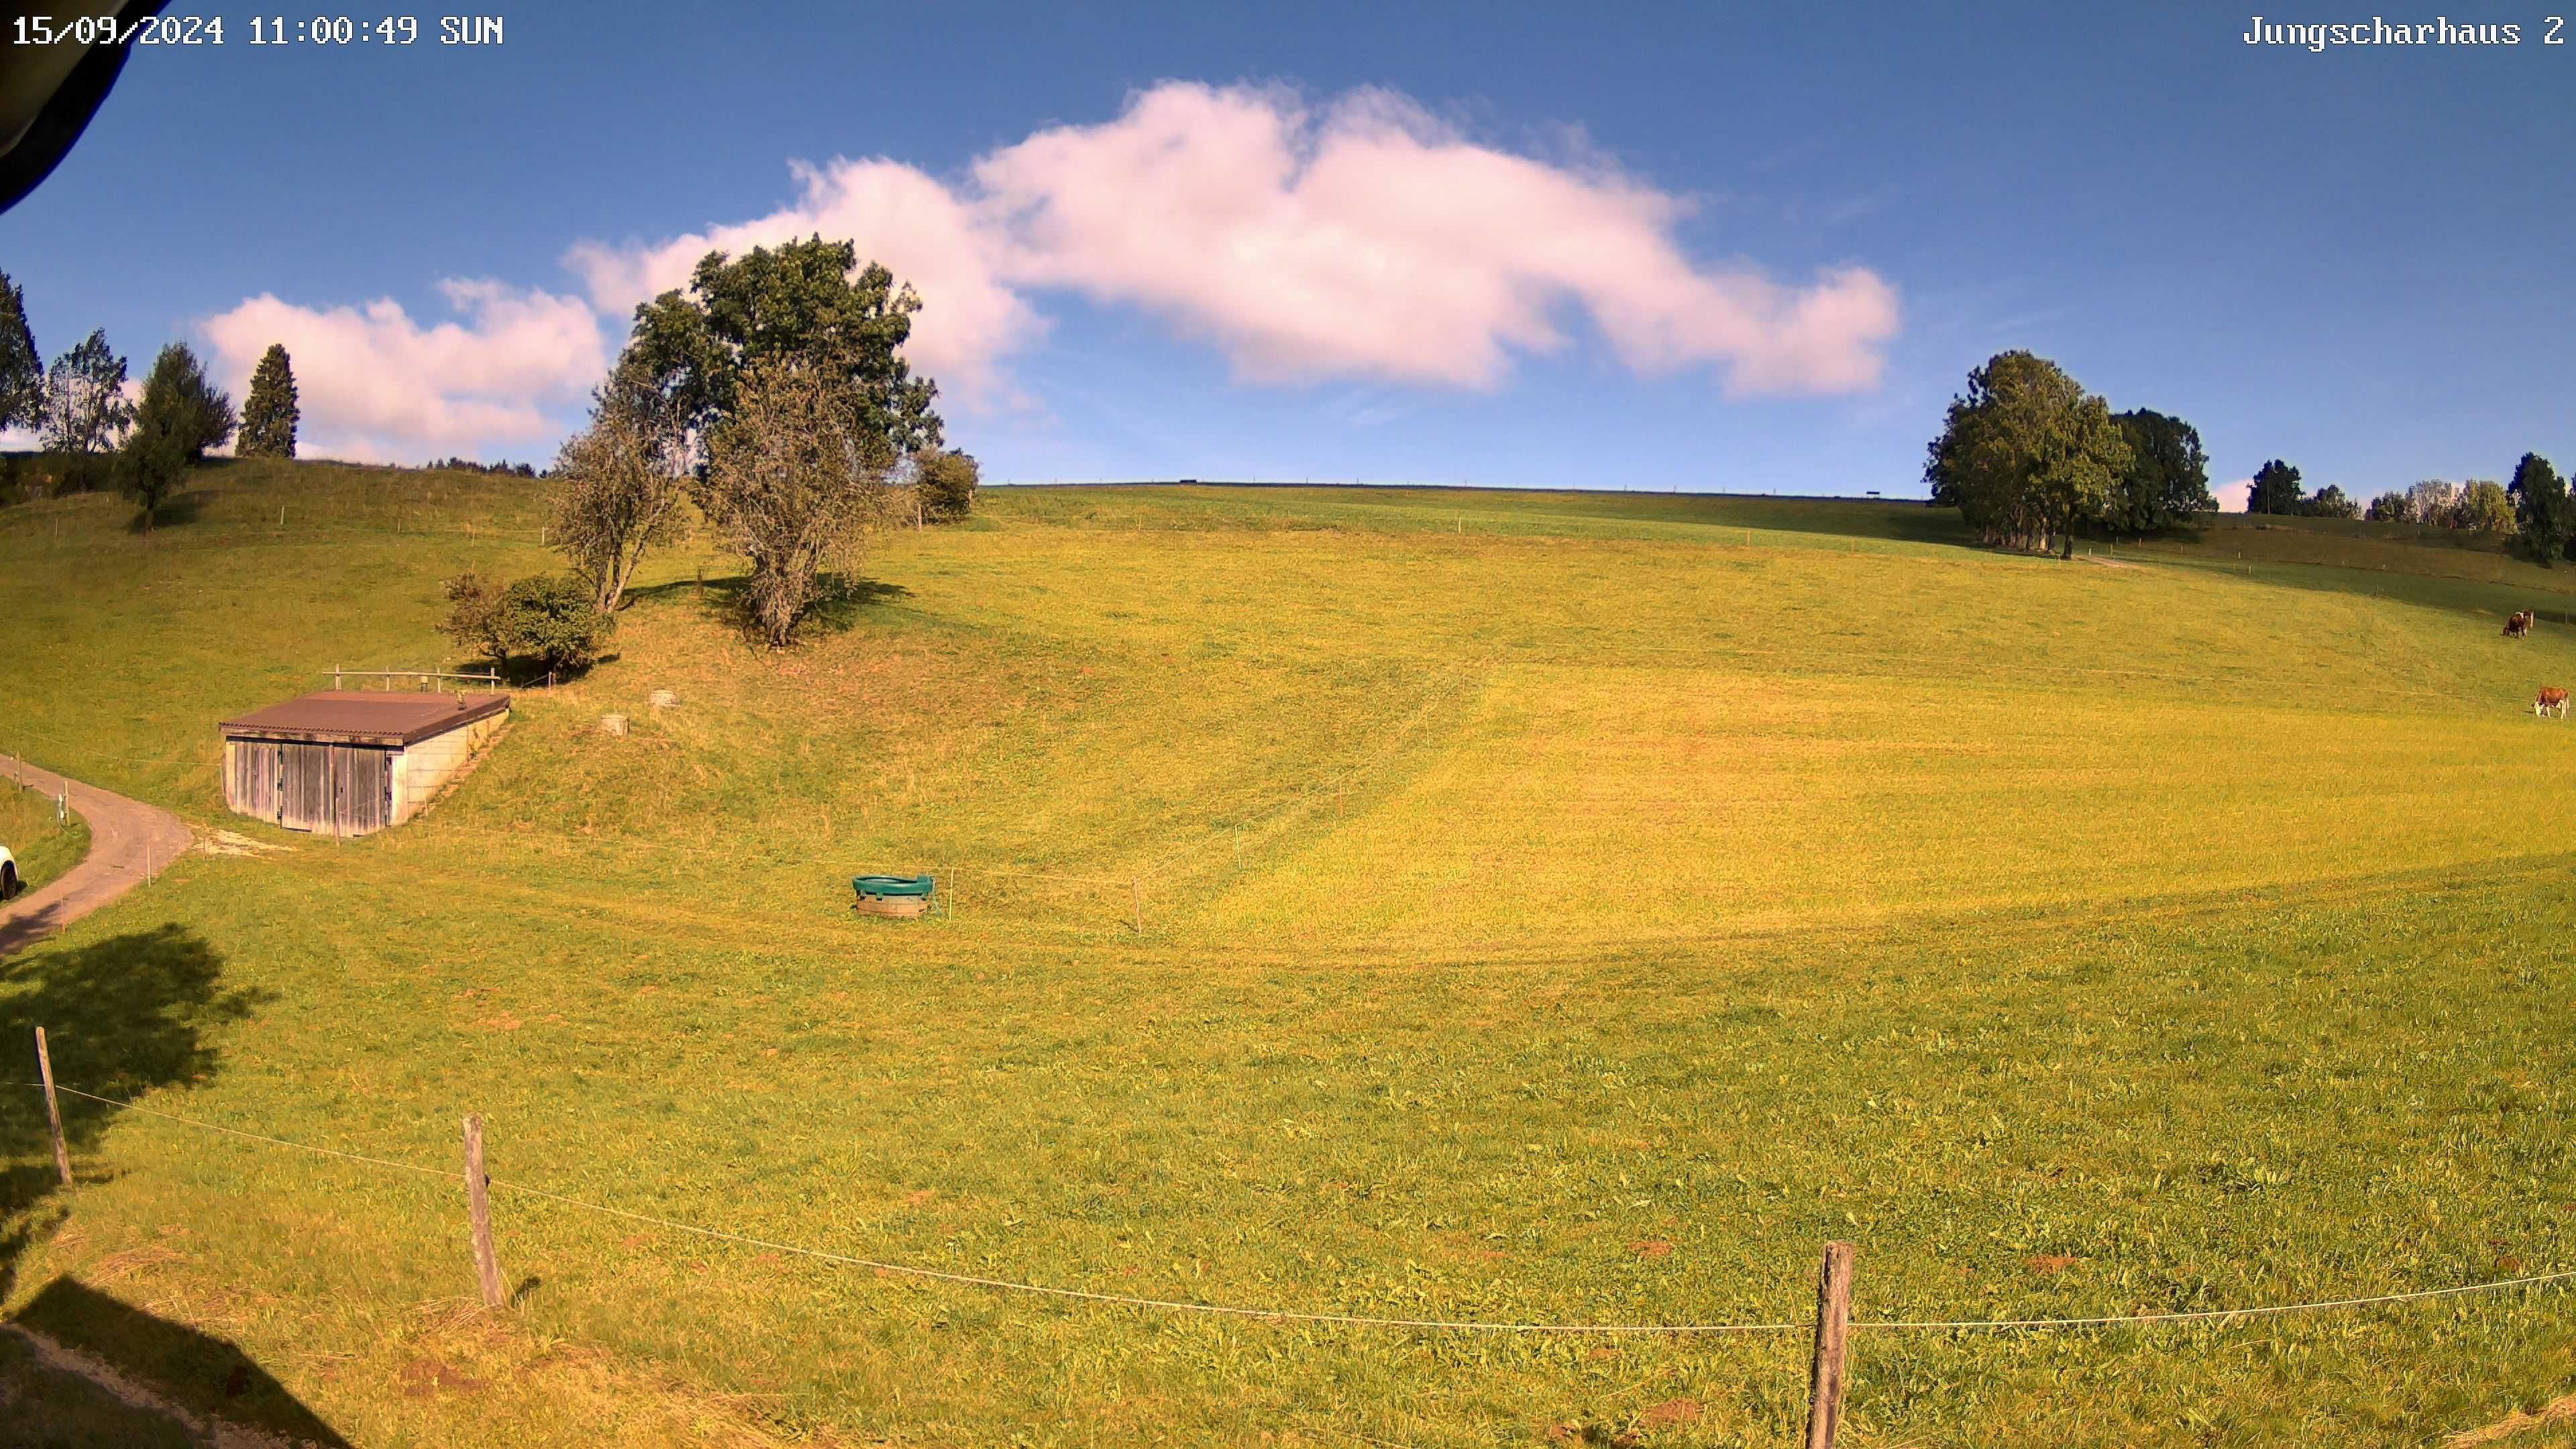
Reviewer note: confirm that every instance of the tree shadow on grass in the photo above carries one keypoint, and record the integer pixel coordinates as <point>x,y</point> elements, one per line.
<point>840,599</point>
<point>200,1375</point>
<point>122,1017</point>
<point>177,511</point>
<point>525,674</point>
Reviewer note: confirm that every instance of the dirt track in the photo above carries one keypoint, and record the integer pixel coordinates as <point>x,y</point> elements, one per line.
<point>129,843</point>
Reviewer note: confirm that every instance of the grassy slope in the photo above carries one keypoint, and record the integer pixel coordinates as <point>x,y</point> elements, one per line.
<point>43,847</point>
<point>1556,908</point>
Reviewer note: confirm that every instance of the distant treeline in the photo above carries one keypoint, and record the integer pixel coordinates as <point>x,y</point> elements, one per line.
<point>505,468</point>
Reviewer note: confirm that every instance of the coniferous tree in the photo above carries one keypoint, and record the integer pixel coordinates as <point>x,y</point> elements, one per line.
<point>269,414</point>
<point>22,368</point>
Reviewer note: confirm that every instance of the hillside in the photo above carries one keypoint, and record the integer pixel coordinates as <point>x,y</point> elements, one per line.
<point>1554,907</point>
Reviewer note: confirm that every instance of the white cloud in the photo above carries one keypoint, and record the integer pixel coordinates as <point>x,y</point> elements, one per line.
<point>1361,239</point>
<point>924,234</point>
<point>373,384</point>
<point>1364,240</point>
<point>2232,497</point>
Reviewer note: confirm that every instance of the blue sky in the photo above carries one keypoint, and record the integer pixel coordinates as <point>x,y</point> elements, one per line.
<point>1515,245</point>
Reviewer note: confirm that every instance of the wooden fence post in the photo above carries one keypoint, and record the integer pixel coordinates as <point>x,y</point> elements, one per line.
<point>53,1112</point>
<point>478,1209</point>
<point>1833,1330</point>
<point>1138,886</point>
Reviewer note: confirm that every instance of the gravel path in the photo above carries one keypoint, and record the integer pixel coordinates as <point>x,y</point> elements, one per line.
<point>129,843</point>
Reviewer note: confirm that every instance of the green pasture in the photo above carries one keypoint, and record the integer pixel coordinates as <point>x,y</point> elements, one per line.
<point>43,846</point>
<point>1554,908</point>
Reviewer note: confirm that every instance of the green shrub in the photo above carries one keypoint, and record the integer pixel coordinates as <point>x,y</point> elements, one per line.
<point>554,622</point>
<point>551,621</point>
<point>947,482</point>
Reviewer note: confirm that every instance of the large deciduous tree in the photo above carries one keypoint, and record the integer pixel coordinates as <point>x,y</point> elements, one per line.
<point>2026,453</point>
<point>2275,490</point>
<point>474,617</point>
<point>269,414</point>
<point>85,407</point>
<point>2433,501</point>
<point>2484,506</point>
<point>181,416</point>
<point>22,368</point>
<point>692,351</point>
<point>2331,502</point>
<point>616,497</point>
<point>794,482</point>
<point>2167,480</point>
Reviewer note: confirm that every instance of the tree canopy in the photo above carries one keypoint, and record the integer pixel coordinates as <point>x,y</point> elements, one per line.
<point>2276,489</point>
<point>549,619</point>
<point>2542,510</point>
<point>269,414</point>
<point>793,488</point>
<point>2167,480</point>
<point>2026,453</point>
<point>615,499</point>
<point>947,482</point>
<point>181,416</point>
<point>683,370</point>
<point>85,407</point>
<point>2483,507</point>
<point>2331,502</point>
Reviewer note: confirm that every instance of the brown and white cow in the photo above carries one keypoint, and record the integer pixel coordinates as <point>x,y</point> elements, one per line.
<point>2518,624</point>
<point>2553,700</point>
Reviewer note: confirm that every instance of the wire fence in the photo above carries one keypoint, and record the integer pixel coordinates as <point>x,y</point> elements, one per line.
<point>1331,1319</point>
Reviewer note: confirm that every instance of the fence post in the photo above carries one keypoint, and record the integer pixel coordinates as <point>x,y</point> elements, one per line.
<point>478,1209</point>
<point>53,1113</point>
<point>1833,1330</point>
<point>1137,884</point>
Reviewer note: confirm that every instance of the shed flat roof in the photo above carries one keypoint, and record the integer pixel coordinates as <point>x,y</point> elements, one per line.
<point>366,717</point>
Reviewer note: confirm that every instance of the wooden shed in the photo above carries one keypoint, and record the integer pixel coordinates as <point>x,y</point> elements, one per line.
<point>350,762</point>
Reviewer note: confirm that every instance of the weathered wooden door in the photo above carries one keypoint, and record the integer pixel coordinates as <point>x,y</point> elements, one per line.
<point>329,789</point>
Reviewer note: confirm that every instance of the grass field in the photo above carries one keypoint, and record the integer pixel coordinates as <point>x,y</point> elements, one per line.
<point>1554,908</point>
<point>43,846</point>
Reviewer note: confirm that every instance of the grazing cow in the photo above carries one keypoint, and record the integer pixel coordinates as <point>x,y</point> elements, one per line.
<point>2518,624</point>
<point>2553,700</point>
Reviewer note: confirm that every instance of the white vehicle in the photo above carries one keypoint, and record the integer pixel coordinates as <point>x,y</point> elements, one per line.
<point>9,882</point>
